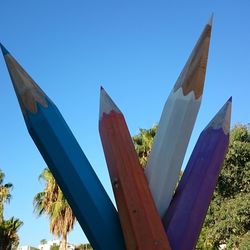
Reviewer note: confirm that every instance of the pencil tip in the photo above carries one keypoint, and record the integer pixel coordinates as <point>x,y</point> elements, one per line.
<point>106,104</point>
<point>192,77</point>
<point>27,91</point>
<point>4,50</point>
<point>222,118</point>
<point>210,20</point>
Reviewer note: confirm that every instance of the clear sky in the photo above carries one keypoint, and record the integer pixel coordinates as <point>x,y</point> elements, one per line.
<point>136,50</point>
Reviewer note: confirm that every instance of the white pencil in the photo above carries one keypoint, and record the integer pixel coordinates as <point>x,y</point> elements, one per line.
<point>176,125</point>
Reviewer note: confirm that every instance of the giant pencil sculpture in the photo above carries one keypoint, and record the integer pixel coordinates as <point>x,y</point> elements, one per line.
<point>176,125</point>
<point>187,211</point>
<point>70,167</point>
<point>141,224</point>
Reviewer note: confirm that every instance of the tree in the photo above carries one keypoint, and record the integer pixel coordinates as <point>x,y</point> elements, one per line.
<point>8,228</point>
<point>54,248</point>
<point>85,246</point>
<point>5,195</point>
<point>43,241</point>
<point>228,218</point>
<point>8,233</point>
<point>234,178</point>
<point>143,143</point>
<point>53,203</point>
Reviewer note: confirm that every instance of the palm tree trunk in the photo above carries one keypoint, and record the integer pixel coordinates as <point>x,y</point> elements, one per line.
<point>64,242</point>
<point>1,212</point>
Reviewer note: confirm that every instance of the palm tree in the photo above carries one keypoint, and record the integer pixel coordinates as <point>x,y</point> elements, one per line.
<point>53,203</point>
<point>8,233</point>
<point>85,246</point>
<point>143,143</point>
<point>4,193</point>
<point>8,228</point>
<point>43,241</point>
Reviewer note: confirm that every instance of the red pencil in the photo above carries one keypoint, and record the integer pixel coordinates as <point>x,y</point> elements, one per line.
<point>141,224</point>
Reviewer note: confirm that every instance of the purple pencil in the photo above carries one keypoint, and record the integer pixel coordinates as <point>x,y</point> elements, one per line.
<point>186,213</point>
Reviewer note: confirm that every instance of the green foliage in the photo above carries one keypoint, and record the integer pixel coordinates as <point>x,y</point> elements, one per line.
<point>43,241</point>
<point>86,246</point>
<point>234,178</point>
<point>143,143</point>
<point>8,228</point>
<point>8,233</point>
<point>5,195</point>
<point>54,248</point>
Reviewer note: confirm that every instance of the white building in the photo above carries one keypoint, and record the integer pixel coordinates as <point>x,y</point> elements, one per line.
<point>51,243</point>
<point>47,246</point>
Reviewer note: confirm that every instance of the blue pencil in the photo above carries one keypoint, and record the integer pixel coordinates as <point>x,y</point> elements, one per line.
<point>66,160</point>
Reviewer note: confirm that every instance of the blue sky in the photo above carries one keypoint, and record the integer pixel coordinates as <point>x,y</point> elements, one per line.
<point>136,50</point>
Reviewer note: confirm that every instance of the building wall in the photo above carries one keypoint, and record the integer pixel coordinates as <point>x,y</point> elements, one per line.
<point>46,246</point>
<point>53,243</point>
<point>49,244</point>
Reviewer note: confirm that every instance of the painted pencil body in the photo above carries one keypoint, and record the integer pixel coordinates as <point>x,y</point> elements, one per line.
<point>70,167</point>
<point>186,213</point>
<point>176,125</point>
<point>141,224</point>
